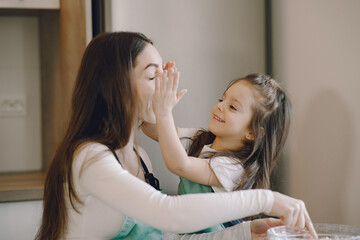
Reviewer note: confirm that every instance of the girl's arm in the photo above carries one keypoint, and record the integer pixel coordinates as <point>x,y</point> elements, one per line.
<point>150,130</point>
<point>175,157</point>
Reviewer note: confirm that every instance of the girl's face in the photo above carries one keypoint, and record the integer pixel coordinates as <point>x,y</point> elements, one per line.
<point>148,65</point>
<point>232,115</point>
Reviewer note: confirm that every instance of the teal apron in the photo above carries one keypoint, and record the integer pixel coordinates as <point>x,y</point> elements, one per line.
<point>186,187</point>
<point>135,230</point>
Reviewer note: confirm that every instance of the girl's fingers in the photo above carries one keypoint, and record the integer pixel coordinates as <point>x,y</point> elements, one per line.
<point>171,74</point>
<point>170,79</point>
<point>164,81</point>
<point>173,79</point>
<point>165,66</point>
<point>180,94</point>
<point>176,81</point>
<point>168,65</point>
<point>169,82</point>
<point>157,84</point>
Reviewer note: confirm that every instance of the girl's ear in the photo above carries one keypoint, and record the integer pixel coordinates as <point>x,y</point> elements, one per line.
<point>249,136</point>
<point>262,131</point>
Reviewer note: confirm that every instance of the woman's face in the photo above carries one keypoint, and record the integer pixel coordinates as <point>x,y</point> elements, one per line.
<point>148,65</point>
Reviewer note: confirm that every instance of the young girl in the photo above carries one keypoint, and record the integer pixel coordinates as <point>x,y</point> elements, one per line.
<point>247,132</point>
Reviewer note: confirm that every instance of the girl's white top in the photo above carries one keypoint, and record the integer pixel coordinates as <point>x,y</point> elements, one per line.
<point>226,169</point>
<point>109,194</point>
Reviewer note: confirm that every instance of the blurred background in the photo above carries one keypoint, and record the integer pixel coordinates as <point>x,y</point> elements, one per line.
<point>310,47</point>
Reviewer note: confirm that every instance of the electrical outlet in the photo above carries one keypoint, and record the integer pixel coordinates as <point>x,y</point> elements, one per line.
<point>12,105</point>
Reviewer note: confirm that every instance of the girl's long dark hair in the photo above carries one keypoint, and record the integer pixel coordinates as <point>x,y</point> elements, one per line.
<point>270,126</point>
<point>103,111</point>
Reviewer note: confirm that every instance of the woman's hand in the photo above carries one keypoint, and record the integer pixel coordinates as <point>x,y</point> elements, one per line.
<point>292,212</point>
<point>166,96</point>
<point>259,227</point>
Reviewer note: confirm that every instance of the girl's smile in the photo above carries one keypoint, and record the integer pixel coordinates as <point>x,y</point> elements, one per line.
<point>217,118</point>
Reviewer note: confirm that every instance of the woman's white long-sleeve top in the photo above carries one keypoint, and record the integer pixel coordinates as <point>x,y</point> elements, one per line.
<point>109,193</point>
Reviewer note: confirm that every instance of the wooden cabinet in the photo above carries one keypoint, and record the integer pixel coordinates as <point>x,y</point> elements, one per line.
<point>30,4</point>
<point>61,41</point>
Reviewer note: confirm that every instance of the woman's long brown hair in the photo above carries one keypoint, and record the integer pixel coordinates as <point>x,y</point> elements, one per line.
<point>270,126</point>
<point>103,111</point>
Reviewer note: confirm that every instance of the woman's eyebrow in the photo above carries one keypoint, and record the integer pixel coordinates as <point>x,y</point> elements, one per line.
<point>151,65</point>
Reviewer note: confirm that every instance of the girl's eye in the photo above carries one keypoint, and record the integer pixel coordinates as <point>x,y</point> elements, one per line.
<point>233,108</point>
<point>153,78</point>
<point>220,100</point>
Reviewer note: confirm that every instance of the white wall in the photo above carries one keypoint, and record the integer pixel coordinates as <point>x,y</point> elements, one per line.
<point>20,128</point>
<point>20,220</point>
<point>316,51</point>
<point>20,104</point>
<point>211,41</point>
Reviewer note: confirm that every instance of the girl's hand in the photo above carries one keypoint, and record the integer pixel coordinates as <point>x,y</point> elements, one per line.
<point>165,96</point>
<point>292,212</point>
<point>259,227</point>
<point>168,65</point>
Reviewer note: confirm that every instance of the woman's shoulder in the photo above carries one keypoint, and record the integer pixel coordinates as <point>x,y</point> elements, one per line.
<point>90,148</point>
<point>89,152</point>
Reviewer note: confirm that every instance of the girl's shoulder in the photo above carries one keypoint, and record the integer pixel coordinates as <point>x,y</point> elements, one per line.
<point>226,162</point>
<point>228,171</point>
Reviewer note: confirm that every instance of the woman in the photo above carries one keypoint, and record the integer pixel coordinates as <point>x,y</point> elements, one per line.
<point>96,184</point>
